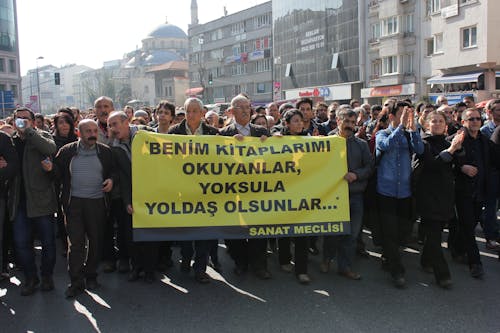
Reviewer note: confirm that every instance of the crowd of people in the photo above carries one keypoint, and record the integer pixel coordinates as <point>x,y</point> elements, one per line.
<point>71,176</point>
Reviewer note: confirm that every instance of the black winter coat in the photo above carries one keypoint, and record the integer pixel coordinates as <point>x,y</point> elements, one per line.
<point>435,193</point>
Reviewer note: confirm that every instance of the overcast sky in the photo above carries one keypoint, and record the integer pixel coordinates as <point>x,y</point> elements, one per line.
<point>93,31</point>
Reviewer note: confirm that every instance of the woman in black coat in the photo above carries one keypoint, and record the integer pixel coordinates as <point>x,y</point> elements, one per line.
<point>435,193</point>
<point>64,133</point>
<point>294,125</point>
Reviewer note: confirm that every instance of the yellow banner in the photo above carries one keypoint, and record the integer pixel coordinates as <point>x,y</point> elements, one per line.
<point>210,187</point>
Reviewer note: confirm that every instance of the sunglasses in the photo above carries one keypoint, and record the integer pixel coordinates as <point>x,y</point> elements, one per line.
<point>474,119</point>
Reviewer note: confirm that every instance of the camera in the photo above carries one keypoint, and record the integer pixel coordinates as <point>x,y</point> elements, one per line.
<point>20,124</point>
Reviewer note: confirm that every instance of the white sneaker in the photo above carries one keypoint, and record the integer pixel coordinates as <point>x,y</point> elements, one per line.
<point>303,278</point>
<point>287,268</point>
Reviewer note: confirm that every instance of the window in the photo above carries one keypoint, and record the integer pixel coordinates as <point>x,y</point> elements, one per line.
<point>12,66</point>
<point>2,87</point>
<point>375,31</point>
<point>13,88</point>
<point>239,48</point>
<point>262,88</point>
<point>433,6</point>
<point>390,65</point>
<point>376,70</point>
<point>263,65</point>
<point>390,26</point>
<point>262,20</point>
<point>238,69</point>
<point>438,43</point>
<point>434,44</point>
<point>408,23</point>
<point>407,63</point>
<point>2,65</point>
<point>469,37</point>
<point>262,43</point>
<point>238,28</point>
<point>430,46</point>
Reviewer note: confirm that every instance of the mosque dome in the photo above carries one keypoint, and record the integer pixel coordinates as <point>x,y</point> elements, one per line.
<point>167,30</point>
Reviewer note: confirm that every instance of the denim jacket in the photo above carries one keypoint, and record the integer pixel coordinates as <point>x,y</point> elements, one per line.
<point>393,154</point>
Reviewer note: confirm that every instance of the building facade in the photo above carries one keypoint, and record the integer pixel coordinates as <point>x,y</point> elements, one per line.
<point>422,49</point>
<point>317,49</point>
<point>10,72</point>
<point>461,49</point>
<point>393,50</point>
<point>232,55</point>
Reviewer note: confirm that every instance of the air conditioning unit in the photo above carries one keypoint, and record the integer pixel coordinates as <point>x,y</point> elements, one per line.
<point>403,1</point>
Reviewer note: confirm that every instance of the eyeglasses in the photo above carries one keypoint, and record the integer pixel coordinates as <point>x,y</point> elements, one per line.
<point>27,118</point>
<point>474,119</point>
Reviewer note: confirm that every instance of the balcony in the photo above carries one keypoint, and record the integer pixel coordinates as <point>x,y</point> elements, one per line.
<point>373,6</point>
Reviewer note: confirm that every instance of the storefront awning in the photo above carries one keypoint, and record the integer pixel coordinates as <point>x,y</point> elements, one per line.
<point>194,91</point>
<point>456,78</point>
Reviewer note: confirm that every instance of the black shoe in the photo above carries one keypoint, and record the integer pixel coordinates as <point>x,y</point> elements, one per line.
<point>240,270</point>
<point>47,283</point>
<point>399,281</point>
<point>202,277</point>
<point>133,275</point>
<point>92,284</point>
<point>29,287</point>
<point>149,277</point>
<point>362,253</point>
<point>427,269</point>
<point>477,271</point>
<point>445,284</point>
<point>73,291</point>
<point>385,264</point>
<point>263,274</point>
<point>123,266</point>
<point>313,250</point>
<point>108,267</point>
<point>185,266</point>
<point>217,267</point>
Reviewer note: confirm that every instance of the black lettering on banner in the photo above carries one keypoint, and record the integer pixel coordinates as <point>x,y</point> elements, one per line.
<point>184,207</point>
<point>242,187</point>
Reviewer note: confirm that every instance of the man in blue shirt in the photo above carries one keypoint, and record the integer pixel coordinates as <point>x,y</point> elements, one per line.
<point>394,148</point>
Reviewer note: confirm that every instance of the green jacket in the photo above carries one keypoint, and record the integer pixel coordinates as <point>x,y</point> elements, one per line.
<point>39,185</point>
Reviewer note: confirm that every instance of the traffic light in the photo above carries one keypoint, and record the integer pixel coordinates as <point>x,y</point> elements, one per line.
<point>57,78</point>
<point>210,79</point>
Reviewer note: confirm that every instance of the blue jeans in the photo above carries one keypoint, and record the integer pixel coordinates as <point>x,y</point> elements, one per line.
<point>23,241</point>
<point>345,245</point>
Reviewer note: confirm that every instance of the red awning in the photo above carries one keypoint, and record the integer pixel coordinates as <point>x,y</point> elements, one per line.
<point>194,91</point>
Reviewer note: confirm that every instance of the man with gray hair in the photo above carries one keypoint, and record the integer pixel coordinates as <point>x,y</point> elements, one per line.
<point>251,252</point>
<point>103,106</point>
<point>144,254</point>
<point>192,125</point>
<point>85,168</point>
<point>360,167</point>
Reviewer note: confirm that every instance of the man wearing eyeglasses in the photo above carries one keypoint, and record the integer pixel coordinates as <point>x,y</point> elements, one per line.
<point>472,172</point>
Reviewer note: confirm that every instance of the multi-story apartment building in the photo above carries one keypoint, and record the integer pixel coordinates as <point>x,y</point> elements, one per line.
<point>392,45</point>
<point>10,77</point>
<point>460,49</point>
<point>231,55</point>
<point>317,49</point>
<point>420,49</point>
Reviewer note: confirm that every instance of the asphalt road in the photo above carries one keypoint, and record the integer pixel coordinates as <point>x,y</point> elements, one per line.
<point>231,303</point>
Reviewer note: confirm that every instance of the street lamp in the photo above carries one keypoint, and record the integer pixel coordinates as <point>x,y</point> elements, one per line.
<point>39,100</point>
